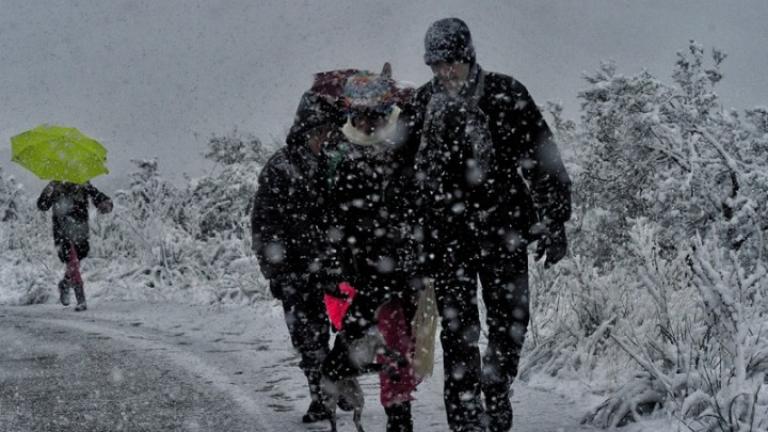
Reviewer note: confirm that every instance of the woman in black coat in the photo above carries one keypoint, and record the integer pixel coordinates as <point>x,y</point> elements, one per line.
<point>287,225</point>
<point>369,185</point>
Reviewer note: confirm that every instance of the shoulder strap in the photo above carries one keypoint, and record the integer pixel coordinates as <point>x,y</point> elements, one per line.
<point>479,91</point>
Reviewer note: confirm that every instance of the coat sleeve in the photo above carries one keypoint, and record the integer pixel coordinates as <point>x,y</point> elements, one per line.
<point>45,201</point>
<point>97,197</point>
<point>542,165</point>
<point>268,234</point>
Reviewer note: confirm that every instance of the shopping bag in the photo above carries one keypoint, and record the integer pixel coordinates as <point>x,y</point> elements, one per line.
<point>424,329</point>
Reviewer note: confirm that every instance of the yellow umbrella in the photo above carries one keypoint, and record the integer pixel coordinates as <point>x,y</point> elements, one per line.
<point>59,153</point>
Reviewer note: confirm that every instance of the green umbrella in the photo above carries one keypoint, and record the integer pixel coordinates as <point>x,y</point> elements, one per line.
<point>59,153</point>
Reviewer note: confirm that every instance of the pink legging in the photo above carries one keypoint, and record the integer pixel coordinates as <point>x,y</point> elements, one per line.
<point>397,333</point>
<point>73,268</point>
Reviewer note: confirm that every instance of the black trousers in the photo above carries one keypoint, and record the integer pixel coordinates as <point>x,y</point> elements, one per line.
<point>503,280</point>
<point>308,326</point>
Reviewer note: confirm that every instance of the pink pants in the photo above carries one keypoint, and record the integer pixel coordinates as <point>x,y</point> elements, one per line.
<point>396,330</point>
<point>73,268</point>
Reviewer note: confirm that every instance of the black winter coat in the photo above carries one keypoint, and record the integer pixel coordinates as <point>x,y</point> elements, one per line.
<point>370,199</point>
<point>69,202</point>
<point>526,181</point>
<point>287,215</point>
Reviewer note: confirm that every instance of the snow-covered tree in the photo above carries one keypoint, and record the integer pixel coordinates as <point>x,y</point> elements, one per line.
<point>224,196</point>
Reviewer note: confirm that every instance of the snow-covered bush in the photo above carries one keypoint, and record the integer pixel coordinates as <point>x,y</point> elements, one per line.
<point>664,295</point>
<point>25,240</point>
<point>225,196</point>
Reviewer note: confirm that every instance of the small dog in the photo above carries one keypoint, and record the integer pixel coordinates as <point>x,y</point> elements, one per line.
<point>352,393</point>
<point>362,353</point>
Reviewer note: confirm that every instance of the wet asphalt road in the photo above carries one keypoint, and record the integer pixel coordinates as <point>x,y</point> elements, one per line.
<point>133,366</point>
<point>57,377</point>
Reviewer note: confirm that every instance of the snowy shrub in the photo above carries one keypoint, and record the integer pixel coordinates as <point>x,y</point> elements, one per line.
<point>25,245</point>
<point>664,295</point>
<point>225,195</point>
<point>183,242</point>
<point>10,193</point>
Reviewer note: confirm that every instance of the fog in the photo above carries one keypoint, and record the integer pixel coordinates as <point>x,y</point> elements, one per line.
<point>157,79</point>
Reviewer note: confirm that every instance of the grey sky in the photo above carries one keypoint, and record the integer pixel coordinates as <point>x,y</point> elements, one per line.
<point>157,78</point>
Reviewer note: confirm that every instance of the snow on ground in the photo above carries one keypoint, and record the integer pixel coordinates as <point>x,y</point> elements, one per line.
<point>245,352</point>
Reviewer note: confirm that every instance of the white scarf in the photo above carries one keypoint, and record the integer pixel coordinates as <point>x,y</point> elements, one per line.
<point>383,137</point>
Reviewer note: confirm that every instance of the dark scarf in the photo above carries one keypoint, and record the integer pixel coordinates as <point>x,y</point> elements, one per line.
<point>456,148</point>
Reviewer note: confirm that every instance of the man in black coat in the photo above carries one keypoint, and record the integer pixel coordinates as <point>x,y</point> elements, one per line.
<point>69,202</point>
<point>491,182</point>
<point>287,225</point>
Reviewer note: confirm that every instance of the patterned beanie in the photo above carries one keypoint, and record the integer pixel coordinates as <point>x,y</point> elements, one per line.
<point>369,91</point>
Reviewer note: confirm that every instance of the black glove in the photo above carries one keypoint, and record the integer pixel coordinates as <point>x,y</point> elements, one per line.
<point>276,289</point>
<point>328,281</point>
<point>552,243</point>
<point>333,290</point>
<point>286,284</point>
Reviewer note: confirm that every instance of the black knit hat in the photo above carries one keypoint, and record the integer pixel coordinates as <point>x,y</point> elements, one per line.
<point>448,40</point>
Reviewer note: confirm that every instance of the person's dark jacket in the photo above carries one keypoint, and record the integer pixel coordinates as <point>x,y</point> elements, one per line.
<point>527,182</point>
<point>370,202</point>
<point>288,219</point>
<point>69,205</point>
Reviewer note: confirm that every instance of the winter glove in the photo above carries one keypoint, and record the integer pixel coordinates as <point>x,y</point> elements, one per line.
<point>326,280</point>
<point>286,284</point>
<point>105,206</point>
<point>552,243</point>
<point>276,289</point>
<point>332,289</point>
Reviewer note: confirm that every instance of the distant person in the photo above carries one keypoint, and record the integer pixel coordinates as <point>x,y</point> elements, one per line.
<point>287,225</point>
<point>491,182</point>
<point>69,204</point>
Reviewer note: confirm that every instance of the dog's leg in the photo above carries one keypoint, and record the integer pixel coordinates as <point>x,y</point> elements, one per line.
<point>358,419</point>
<point>330,398</point>
<point>332,420</point>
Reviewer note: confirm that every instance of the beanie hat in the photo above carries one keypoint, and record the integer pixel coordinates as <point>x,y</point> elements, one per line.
<point>448,40</point>
<point>368,91</point>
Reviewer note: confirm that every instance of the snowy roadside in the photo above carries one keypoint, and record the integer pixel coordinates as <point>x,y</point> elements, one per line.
<point>245,352</point>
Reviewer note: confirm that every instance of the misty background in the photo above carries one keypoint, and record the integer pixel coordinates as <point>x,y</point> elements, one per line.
<point>159,78</point>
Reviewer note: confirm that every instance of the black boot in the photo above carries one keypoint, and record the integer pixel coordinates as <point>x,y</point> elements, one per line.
<point>64,291</point>
<point>498,407</point>
<point>80,297</point>
<point>316,412</point>
<point>399,417</point>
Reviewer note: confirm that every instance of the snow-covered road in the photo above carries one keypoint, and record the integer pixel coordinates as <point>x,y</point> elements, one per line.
<point>162,367</point>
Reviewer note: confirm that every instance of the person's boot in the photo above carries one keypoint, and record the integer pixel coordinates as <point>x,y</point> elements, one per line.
<point>316,411</point>
<point>64,292</point>
<point>498,407</point>
<point>80,297</point>
<point>399,417</point>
